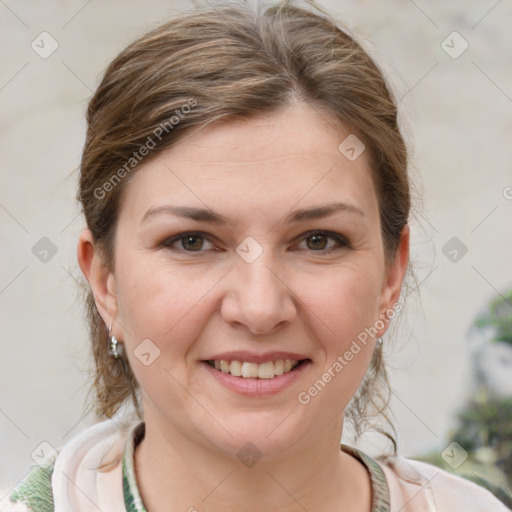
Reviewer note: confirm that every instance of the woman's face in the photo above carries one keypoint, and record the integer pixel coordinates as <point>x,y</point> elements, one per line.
<point>233,275</point>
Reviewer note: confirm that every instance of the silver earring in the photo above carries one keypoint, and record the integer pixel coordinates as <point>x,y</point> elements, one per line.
<point>379,342</point>
<point>112,344</point>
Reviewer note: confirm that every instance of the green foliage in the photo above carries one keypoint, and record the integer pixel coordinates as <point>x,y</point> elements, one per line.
<point>499,317</point>
<point>484,426</point>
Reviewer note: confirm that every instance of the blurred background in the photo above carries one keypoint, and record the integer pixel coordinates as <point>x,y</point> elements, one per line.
<point>450,355</point>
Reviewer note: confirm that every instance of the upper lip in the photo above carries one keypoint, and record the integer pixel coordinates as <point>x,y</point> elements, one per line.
<point>253,357</point>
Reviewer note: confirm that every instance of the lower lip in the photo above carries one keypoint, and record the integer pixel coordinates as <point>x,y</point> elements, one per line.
<point>255,386</point>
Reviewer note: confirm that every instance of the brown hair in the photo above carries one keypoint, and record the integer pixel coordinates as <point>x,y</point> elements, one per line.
<point>231,61</point>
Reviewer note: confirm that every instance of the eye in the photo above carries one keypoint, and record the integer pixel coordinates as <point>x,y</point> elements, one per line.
<point>319,241</point>
<point>190,242</point>
<point>194,241</point>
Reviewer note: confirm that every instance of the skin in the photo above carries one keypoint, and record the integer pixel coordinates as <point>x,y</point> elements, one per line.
<point>296,296</point>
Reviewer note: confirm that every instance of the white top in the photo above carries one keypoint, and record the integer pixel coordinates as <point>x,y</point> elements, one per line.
<point>96,467</point>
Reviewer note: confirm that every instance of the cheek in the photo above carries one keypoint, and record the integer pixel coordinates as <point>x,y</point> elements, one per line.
<point>147,293</point>
<point>158,310</point>
<point>343,315</point>
<point>161,303</point>
<point>345,303</point>
<point>343,311</point>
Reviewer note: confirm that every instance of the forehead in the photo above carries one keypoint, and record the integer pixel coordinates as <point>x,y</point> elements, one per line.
<point>268,163</point>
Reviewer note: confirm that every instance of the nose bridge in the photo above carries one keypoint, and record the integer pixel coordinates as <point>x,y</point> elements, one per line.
<point>258,277</point>
<point>259,297</point>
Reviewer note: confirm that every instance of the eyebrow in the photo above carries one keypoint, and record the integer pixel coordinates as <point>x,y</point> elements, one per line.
<point>208,215</point>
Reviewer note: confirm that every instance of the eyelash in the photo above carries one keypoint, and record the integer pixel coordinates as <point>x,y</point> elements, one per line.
<point>340,240</point>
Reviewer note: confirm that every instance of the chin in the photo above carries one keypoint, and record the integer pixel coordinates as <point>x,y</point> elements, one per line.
<point>258,434</point>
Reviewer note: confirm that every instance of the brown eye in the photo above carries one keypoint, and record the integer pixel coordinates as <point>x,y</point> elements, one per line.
<point>190,242</point>
<point>318,241</point>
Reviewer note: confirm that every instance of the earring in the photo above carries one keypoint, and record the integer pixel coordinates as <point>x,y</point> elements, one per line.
<point>379,342</point>
<point>112,344</point>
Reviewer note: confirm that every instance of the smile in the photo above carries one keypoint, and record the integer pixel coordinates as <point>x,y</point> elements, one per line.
<point>246,379</point>
<point>248,370</point>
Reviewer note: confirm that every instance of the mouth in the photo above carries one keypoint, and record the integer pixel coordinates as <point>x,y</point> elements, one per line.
<point>251,370</point>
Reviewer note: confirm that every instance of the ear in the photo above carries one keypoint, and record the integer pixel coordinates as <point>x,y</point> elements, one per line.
<point>101,280</point>
<point>393,279</point>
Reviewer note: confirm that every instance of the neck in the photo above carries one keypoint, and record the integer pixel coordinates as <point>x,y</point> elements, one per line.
<point>174,472</point>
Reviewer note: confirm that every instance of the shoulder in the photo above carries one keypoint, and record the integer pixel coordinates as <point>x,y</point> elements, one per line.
<point>99,448</point>
<point>422,486</point>
<point>33,494</point>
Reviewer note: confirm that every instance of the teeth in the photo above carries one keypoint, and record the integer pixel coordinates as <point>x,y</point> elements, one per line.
<point>249,370</point>
<point>267,370</point>
<point>236,368</point>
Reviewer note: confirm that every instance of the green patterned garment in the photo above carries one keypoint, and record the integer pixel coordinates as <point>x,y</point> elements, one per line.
<point>132,499</point>
<point>35,490</point>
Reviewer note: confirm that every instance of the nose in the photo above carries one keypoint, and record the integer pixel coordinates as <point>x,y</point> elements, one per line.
<point>258,297</point>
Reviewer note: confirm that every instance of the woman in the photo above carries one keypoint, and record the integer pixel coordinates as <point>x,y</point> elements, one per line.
<point>244,183</point>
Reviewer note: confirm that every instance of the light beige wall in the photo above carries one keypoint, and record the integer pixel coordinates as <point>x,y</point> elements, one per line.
<point>458,113</point>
